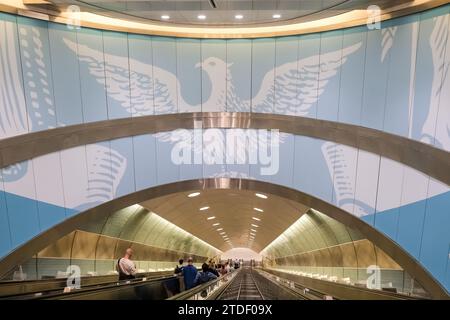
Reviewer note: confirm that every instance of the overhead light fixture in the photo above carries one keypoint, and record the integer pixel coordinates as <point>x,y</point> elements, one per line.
<point>165,17</point>
<point>220,229</point>
<point>260,195</point>
<point>253,230</point>
<point>239,16</point>
<point>276,16</point>
<point>258,209</point>
<point>255,218</point>
<point>201,17</point>
<point>223,232</point>
<point>216,224</point>
<point>210,218</point>
<point>194,194</point>
<point>252,234</point>
<point>204,208</point>
<point>254,225</point>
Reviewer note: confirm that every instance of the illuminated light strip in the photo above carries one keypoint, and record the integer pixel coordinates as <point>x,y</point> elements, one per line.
<point>345,20</point>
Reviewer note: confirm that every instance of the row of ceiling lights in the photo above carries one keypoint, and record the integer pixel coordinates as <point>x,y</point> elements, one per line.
<point>253,226</point>
<point>237,17</point>
<point>220,230</point>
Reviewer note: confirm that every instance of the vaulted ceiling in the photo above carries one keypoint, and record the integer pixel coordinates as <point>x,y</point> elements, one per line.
<point>229,214</point>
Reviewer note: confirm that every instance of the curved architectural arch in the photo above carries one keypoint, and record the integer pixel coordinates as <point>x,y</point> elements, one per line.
<point>422,157</point>
<point>408,263</point>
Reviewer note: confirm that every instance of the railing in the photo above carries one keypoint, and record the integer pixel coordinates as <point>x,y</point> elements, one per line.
<point>206,291</point>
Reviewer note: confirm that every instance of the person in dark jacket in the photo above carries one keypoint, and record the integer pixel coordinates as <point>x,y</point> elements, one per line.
<point>212,268</point>
<point>189,274</point>
<point>204,276</point>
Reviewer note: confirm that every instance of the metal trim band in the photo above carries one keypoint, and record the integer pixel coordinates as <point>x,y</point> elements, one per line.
<point>422,157</point>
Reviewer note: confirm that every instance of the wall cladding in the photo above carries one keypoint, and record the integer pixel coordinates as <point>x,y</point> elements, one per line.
<point>393,79</point>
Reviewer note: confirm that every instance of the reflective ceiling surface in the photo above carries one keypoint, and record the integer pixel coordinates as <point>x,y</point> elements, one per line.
<point>223,12</point>
<point>217,215</point>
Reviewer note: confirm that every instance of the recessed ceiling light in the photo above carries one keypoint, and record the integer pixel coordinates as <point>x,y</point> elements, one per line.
<point>194,194</point>
<point>276,16</point>
<point>253,230</point>
<point>258,209</point>
<point>239,16</point>
<point>260,195</point>
<point>216,224</point>
<point>220,229</point>
<point>255,218</point>
<point>210,218</point>
<point>222,232</point>
<point>165,17</point>
<point>201,17</point>
<point>252,234</point>
<point>254,225</point>
<point>204,208</point>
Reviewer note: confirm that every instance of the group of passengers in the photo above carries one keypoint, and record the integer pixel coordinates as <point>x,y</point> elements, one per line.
<point>209,271</point>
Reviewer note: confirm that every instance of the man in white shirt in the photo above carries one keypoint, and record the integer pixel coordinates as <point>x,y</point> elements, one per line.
<point>126,267</point>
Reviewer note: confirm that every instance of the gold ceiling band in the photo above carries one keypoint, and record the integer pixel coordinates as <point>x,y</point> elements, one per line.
<point>349,19</point>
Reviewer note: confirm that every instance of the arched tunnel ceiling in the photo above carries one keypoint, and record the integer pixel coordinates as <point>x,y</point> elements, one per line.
<point>234,211</point>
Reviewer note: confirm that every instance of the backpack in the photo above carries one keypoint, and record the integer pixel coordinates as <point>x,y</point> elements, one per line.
<point>178,269</point>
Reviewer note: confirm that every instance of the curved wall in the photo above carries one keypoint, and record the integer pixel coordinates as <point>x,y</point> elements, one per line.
<point>393,79</point>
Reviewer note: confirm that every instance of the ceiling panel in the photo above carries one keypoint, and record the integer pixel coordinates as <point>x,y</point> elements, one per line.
<point>234,211</point>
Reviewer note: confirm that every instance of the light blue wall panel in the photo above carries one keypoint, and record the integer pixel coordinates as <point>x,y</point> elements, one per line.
<point>92,74</point>
<point>66,75</point>
<point>389,196</point>
<point>122,166</point>
<point>312,174</point>
<point>263,75</point>
<point>192,167</point>
<point>115,46</point>
<point>214,153</point>
<point>436,238</point>
<point>352,77</point>
<point>49,189</point>
<point>239,79</point>
<point>214,75</point>
<point>5,233</point>
<point>145,161</point>
<point>189,75</point>
<point>309,59</point>
<point>331,62</point>
<point>400,83</point>
<point>375,77</point>
<point>13,109</point>
<point>287,79</point>
<point>165,75</point>
<point>37,73</point>
<point>412,210</point>
<point>75,177</point>
<point>430,71</point>
<point>141,75</point>
<point>167,170</point>
<point>442,134</point>
<point>101,178</point>
<point>285,160</point>
<point>22,210</point>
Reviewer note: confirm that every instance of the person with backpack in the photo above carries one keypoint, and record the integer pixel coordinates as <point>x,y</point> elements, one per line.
<point>204,276</point>
<point>179,267</point>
